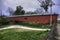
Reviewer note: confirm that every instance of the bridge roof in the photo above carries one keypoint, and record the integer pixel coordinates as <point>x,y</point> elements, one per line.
<point>33,15</point>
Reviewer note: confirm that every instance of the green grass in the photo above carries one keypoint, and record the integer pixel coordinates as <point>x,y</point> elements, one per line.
<point>29,24</point>
<point>22,34</point>
<point>2,26</point>
<point>35,25</point>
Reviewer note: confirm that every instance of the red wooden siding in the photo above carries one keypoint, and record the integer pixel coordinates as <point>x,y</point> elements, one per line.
<point>35,18</point>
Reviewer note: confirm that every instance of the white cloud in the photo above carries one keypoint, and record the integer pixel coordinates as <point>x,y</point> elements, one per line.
<point>26,4</point>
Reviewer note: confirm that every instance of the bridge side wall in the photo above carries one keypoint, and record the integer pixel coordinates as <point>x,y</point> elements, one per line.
<point>44,19</point>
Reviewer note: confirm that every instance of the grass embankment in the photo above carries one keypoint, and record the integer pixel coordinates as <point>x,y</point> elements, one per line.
<point>29,24</point>
<point>22,34</point>
<point>2,26</point>
<point>35,25</point>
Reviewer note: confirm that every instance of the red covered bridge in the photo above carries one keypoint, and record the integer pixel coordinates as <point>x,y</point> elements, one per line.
<point>43,19</point>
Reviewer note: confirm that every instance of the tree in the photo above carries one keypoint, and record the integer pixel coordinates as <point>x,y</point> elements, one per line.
<point>30,13</point>
<point>22,12</point>
<point>45,4</point>
<point>19,11</point>
<point>3,20</point>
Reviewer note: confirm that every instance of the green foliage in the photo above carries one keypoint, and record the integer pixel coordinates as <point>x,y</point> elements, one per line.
<point>19,11</point>
<point>45,4</point>
<point>31,13</point>
<point>25,35</point>
<point>3,20</point>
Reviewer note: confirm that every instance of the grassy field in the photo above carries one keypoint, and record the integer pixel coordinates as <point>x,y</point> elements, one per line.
<point>22,34</point>
<point>35,25</point>
<point>29,24</point>
<point>2,26</point>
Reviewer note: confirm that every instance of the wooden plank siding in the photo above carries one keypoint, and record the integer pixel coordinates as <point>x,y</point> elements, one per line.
<point>43,19</point>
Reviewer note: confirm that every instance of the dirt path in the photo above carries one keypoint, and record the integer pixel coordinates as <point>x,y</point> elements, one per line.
<point>23,27</point>
<point>58,32</point>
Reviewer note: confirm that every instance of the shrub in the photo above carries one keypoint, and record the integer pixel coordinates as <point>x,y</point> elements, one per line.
<point>3,21</point>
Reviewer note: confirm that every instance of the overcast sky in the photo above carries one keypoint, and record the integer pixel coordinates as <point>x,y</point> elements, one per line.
<point>28,5</point>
